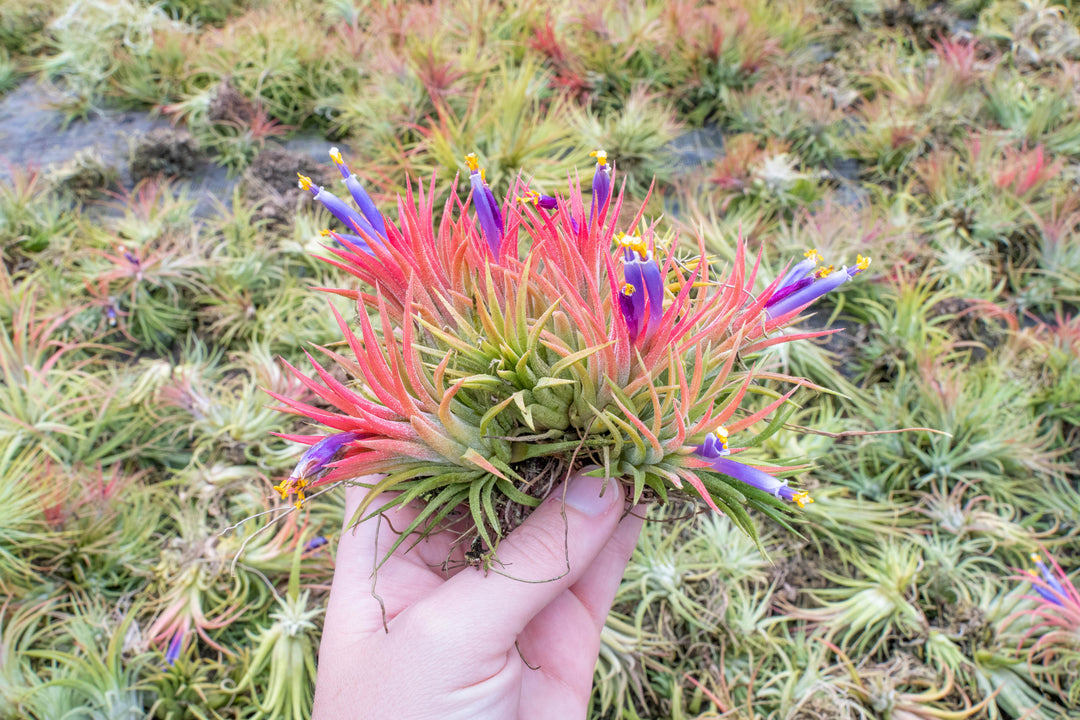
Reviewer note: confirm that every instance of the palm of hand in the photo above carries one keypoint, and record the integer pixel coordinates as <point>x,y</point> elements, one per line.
<point>518,643</point>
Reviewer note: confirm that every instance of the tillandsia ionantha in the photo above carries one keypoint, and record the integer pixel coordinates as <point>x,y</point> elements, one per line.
<point>491,358</point>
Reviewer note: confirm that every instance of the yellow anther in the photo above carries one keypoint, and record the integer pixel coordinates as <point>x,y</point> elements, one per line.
<point>600,155</point>
<point>530,196</point>
<point>325,233</point>
<point>283,488</point>
<point>812,254</point>
<point>1032,573</point>
<point>802,498</point>
<point>473,162</point>
<point>628,289</point>
<point>635,243</point>
<point>1036,558</point>
<point>305,182</point>
<point>335,155</point>
<point>862,262</point>
<point>722,433</point>
<point>825,271</point>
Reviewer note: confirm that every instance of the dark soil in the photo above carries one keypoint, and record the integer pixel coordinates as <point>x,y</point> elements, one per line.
<point>165,151</point>
<point>270,182</point>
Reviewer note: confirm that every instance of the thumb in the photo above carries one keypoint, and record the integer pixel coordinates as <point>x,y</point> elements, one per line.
<point>535,563</point>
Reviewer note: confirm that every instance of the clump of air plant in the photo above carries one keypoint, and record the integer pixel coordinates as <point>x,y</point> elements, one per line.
<point>1055,630</point>
<point>493,357</point>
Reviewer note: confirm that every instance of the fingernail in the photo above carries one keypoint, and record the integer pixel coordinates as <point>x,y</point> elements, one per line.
<point>583,493</point>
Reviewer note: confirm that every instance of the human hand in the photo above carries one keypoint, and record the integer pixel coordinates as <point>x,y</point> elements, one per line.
<point>518,643</point>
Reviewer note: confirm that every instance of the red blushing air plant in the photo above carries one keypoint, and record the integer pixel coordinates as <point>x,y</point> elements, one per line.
<point>1055,624</point>
<point>514,343</point>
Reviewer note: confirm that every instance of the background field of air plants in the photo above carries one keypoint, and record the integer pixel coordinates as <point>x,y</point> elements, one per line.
<point>151,279</point>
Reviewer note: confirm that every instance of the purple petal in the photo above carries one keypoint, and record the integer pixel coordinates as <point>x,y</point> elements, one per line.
<point>601,190</point>
<point>351,219</point>
<point>318,456</point>
<point>749,475</point>
<point>801,270</point>
<point>315,543</point>
<point>654,287</point>
<point>484,203</point>
<point>366,205</point>
<point>631,315</point>
<point>810,293</point>
<point>172,654</point>
<point>783,292</point>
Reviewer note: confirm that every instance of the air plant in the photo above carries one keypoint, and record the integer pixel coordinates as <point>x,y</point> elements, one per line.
<point>865,612</point>
<point>1055,633</point>
<point>287,649</point>
<point>495,357</point>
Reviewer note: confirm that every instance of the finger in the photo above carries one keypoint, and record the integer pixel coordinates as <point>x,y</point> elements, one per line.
<point>537,561</point>
<point>372,586</point>
<point>597,587</point>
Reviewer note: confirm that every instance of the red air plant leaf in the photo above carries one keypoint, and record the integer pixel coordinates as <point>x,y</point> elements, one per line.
<point>500,343</point>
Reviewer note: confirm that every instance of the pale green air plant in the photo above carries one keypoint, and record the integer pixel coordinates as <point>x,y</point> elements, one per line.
<point>32,215</point>
<point>955,569</point>
<point>101,540</point>
<point>88,678</point>
<point>87,41</point>
<point>199,585</point>
<point>806,685</point>
<point>669,582</point>
<point>714,539</point>
<point>22,525</point>
<point>515,123</point>
<point>152,212</point>
<point>748,616</point>
<point>863,613</point>
<point>839,520</point>
<point>626,653</point>
<point>889,689</point>
<point>286,648</point>
<point>190,689</point>
<point>22,627</point>
<point>221,407</point>
<point>637,136</point>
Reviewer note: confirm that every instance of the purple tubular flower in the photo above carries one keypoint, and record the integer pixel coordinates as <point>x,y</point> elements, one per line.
<point>714,452</point>
<point>808,293</point>
<point>546,201</point>
<point>315,543</point>
<point>1047,595</point>
<point>351,219</point>
<point>601,185</point>
<point>313,464</point>
<point>800,288</point>
<point>172,654</point>
<point>1050,579</point>
<point>359,194</point>
<point>487,209</point>
<point>539,200</point>
<point>643,284</point>
<point>714,446</point>
<point>654,289</point>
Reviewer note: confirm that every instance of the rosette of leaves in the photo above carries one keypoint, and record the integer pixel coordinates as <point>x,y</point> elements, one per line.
<point>490,358</point>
